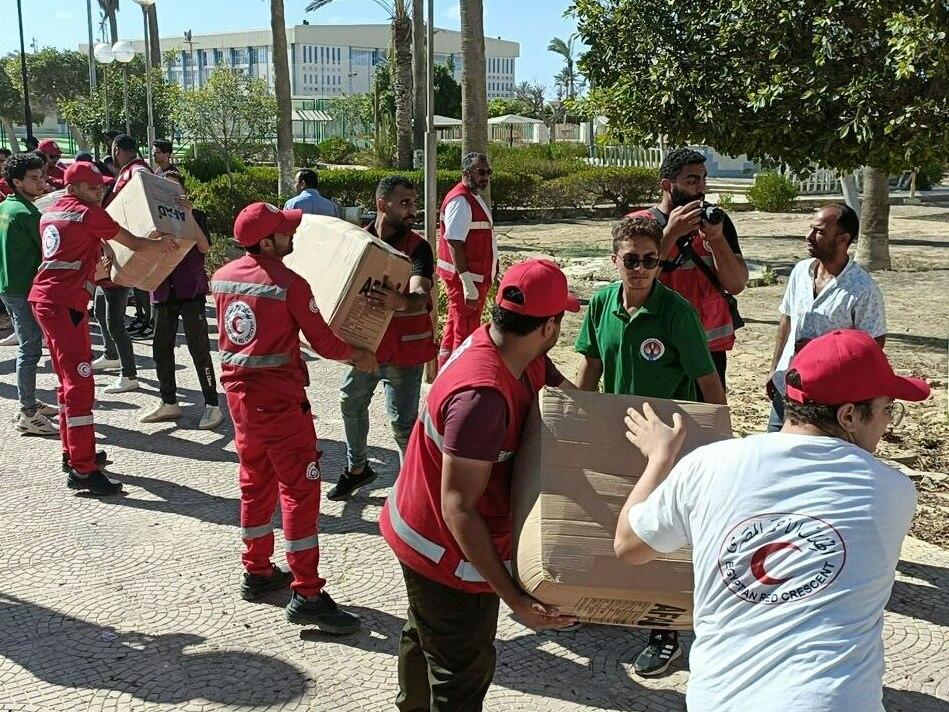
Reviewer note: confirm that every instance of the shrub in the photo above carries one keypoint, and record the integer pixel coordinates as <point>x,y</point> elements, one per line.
<point>772,192</point>
<point>513,190</point>
<point>208,164</point>
<point>448,156</point>
<point>726,202</point>
<point>930,175</point>
<point>624,187</point>
<point>336,150</point>
<point>222,200</point>
<point>549,161</point>
<point>223,250</point>
<point>306,155</point>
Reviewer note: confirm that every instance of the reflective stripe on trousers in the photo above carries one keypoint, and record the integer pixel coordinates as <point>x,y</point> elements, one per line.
<point>449,267</point>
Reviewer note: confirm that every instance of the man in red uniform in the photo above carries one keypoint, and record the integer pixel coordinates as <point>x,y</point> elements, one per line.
<point>448,517</point>
<point>5,189</point>
<point>680,213</point>
<point>467,252</point>
<point>262,306</point>
<point>72,233</point>
<point>407,345</point>
<point>55,170</point>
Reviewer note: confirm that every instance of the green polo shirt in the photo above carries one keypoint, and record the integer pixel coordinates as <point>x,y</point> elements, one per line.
<point>658,352</point>
<point>19,244</point>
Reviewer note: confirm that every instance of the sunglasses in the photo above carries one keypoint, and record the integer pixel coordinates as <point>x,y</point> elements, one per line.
<point>633,261</point>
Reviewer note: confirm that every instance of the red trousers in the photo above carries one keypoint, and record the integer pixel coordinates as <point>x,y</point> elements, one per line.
<point>462,320</point>
<point>276,444</point>
<point>70,349</point>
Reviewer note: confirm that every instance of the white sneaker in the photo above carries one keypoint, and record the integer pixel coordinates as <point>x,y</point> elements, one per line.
<point>122,385</point>
<point>212,417</point>
<point>102,363</point>
<point>35,424</point>
<point>47,410</point>
<point>163,413</point>
<point>10,340</point>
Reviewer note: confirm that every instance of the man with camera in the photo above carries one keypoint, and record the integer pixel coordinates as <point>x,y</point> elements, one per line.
<point>701,257</point>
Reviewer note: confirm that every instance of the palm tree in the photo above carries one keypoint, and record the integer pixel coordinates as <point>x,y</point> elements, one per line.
<point>401,51</point>
<point>284,102</point>
<point>109,8</point>
<point>153,39</point>
<point>569,73</point>
<point>419,76</point>
<point>474,88</point>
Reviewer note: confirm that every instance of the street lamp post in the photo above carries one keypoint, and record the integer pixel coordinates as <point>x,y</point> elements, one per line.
<point>123,53</point>
<point>103,55</point>
<point>145,4</point>
<point>27,113</point>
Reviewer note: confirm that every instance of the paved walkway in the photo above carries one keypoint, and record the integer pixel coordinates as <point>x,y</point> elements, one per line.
<point>131,603</point>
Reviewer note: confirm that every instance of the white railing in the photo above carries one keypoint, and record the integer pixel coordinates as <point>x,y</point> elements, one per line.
<point>820,181</point>
<point>626,156</point>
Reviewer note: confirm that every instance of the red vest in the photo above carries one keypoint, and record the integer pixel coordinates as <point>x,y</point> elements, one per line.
<point>479,245</point>
<point>411,521</point>
<point>410,339</point>
<point>125,175</point>
<point>689,281</point>
<point>258,338</point>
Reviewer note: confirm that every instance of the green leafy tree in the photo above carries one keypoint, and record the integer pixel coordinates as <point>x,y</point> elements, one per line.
<point>840,84</point>
<point>11,108</point>
<point>354,111</point>
<point>504,105</point>
<point>447,92</point>
<point>55,75</point>
<point>232,112</point>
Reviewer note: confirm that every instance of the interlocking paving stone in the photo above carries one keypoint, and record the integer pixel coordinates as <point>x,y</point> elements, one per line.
<point>132,603</point>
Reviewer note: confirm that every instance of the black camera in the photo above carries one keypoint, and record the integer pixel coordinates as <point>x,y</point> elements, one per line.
<point>712,214</point>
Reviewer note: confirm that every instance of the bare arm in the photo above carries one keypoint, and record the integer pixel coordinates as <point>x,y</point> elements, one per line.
<point>711,386</point>
<point>730,267</point>
<point>589,373</point>
<point>784,330</point>
<point>385,297</point>
<point>458,257</point>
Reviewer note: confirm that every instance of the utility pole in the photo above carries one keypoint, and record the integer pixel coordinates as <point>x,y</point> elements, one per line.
<point>431,171</point>
<point>27,114</point>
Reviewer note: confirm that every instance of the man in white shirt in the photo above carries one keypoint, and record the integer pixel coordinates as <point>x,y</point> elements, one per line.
<point>827,291</point>
<point>467,252</point>
<point>795,535</point>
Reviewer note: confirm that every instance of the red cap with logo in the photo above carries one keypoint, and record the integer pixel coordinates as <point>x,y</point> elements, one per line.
<point>848,366</point>
<point>544,287</point>
<point>83,172</point>
<point>260,220</point>
<point>50,148</point>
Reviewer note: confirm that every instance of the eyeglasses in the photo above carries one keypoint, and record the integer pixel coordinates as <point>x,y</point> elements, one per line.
<point>896,411</point>
<point>631,261</point>
<point>483,171</point>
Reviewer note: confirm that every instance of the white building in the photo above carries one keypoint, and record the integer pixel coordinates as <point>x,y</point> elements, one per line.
<point>325,60</point>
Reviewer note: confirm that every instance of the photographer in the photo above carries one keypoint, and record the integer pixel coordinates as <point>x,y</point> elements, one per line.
<point>701,257</point>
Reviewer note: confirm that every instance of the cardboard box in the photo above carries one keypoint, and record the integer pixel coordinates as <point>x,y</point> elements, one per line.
<point>574,471</point>
<point>147,203</point>
<point>341,262</point>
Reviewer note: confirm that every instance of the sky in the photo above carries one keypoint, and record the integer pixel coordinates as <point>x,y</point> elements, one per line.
<point>62,23</point>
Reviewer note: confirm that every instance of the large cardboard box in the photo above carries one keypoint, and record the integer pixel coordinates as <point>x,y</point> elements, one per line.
<point>574,471</point>
<point>147,203</point>
<point>341,262</point>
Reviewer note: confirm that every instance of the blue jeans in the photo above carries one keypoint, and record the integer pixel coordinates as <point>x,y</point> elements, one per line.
<point>776,418</point>
<point>28,353</point>
<point>402,387</point>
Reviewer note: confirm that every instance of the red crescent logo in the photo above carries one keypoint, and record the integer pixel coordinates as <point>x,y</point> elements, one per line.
<point>759,557</point>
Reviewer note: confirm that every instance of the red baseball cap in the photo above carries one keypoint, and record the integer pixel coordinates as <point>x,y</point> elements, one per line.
<point>83,172</point>
<point>544,287</point>
<point>848,366</point>
<point>260,220</point>
<point>50,148</point>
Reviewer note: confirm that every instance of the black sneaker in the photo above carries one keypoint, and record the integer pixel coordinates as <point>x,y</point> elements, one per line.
<point>657,656</point>
<point>134,326</point>
<point>95,482</point>
<point>146,332</point>
<point>253,586</point>
<point>321,611</point>
<point>349,483</point>
<point>101,459</point>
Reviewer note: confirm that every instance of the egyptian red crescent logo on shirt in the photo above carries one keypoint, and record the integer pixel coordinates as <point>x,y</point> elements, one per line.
<point>51,240</point>
<point>240,323</point>
<point>652,349</point>
<point>781,557</point>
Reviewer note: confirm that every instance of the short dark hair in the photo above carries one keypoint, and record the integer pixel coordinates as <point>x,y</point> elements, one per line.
<point>472,157</point>
<point>175,176</point>
<point>677,159</point>
<point>637,226</point>
<point>162,144</point>
<point>820,415</point>
<point>42,154</point>
<point>18,164</point>
<point>308,177</point>
<point>508,322</point>
<point>110,135</point>
<point>125,142</point>
<point>388,185</point>
<point>83,157</point>
<point>6,152</point>
<point>847,220</point>
<point>32,143</point>
<point>253,249</point>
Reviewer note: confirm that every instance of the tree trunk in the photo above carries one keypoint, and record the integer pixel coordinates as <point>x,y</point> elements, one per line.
<point>873,247</point>
<point>848,186</point>
<point>284,102</point>
<point>419,71</point>
<point>154,39</point>
<point>113,27</point>
<point>474,87</point>
<point>402,87</point>
<point>7,123</point>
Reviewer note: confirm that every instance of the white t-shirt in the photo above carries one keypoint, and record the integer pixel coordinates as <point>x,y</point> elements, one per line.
<point>795,539</point>
<point>850,300</point>
<point>458,223</point>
